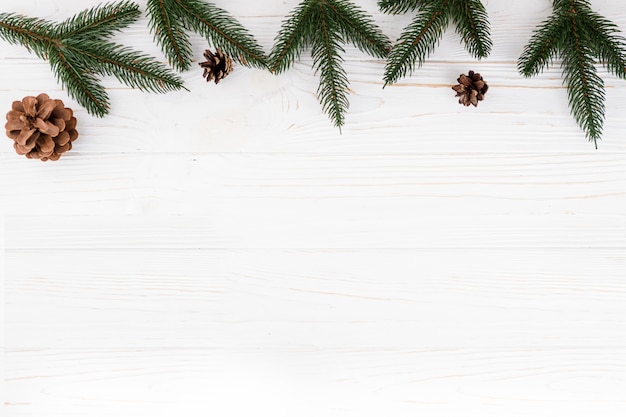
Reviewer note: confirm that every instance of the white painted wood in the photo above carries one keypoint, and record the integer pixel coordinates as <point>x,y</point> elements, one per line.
<point>225,251</point>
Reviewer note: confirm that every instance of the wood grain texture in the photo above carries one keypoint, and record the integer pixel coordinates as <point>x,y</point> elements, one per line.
<point>225,251</point>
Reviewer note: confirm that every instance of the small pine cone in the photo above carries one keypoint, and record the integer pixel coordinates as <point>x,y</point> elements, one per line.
<point>42,128</point>
<point>471,88</point>
<point>216,66</point>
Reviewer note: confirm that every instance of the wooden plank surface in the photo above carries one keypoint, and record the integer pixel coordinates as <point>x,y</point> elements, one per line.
<point>226,251</point>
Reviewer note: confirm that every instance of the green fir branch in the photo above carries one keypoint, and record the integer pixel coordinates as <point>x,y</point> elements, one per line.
<point>585,89</point>
<point>579,37</point>
<point>471,20</point>
<point>32,33</point>
<point>355,28</point>
<point>324,25</point>
<point>101,22</point>
<point>544,46</point>
<point>129,67</point>
<point>168,18</point>
<point>326,53</point>
<point>605,38</point>
<point>419,39</point>
<point>78,51</point>
<point>219,28</point>
<point>80,82</point>
<point>169,33</point>
<point>295,35</point>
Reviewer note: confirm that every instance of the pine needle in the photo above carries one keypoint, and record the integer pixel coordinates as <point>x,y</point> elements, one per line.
<point>324,25</point>
<point>399,6</point>
<point>579,37</point>
<point>78,50</point>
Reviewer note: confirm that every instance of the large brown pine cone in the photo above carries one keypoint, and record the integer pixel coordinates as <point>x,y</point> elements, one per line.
<point>42,128</point>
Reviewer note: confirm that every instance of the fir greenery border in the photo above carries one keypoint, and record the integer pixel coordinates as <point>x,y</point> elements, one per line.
<point>80,49</point>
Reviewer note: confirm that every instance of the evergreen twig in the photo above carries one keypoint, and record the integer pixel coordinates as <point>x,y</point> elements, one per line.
<point>419,39</point>
<point>324,25</point>
<point>399,6</point>
<point>78,50</point>
<point>578,35</point>
<point>169,19</point>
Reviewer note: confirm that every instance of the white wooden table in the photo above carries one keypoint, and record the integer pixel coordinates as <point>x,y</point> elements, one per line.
<point>226,252</point>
